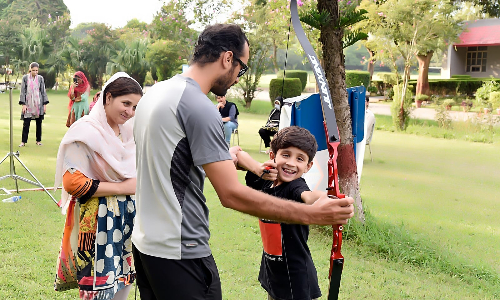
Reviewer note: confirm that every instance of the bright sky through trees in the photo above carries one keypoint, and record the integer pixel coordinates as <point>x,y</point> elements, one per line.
<point>112,12</point>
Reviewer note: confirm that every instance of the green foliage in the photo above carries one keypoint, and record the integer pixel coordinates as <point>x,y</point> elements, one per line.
<point>257,63</point>
<point>355,57</point>
<point>302,75</point>
<point>10,39</point>
<point>443,117</point>
<point>401,115</point>
<point>372,89</point>
<point>449,102</point>
<point>315,19</point>
<point>164,56</point>
<point>349,15</point>
<point>357,78</point>
<point>292,87</point>
<point>136,24</point>
<point>458,76</point>
<point>421,97</point>
<point>35,45</point>
<point>172,24</point>
<point>495,99</point>
<point>44,11</point>
<point>489,7</point>
<point>463,86</point>
<point>389,78</point>
<point>483,93</point>
<point>472,130</point>
<point>130,57</point>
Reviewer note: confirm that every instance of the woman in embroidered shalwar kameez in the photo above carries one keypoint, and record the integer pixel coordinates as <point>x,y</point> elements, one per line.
<point>96,165</point>
<point>33,99</point>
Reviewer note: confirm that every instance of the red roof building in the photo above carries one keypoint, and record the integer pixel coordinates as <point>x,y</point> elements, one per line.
<point>477,53</point>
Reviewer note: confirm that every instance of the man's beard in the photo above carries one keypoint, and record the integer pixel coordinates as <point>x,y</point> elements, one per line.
<point>223,83</point>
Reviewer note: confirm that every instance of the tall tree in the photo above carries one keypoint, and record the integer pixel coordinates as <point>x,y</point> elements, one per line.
<point>491,8</point>
<point>172,24</point>
<point>130,57</point>
<point>10,42</point>
<point>94,53</point>
<point>257,61</point>
<point>331,38</point>
<point>26,10</point>
<point>164,58</point>
<point>411,30</point>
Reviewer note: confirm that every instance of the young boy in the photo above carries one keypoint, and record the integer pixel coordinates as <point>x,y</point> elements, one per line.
<point>287,270</point>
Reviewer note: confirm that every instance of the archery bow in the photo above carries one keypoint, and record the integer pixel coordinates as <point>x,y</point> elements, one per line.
<point>333,141</point>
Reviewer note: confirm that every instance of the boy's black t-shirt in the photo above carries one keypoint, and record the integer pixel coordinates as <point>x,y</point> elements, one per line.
<point>287,270</point>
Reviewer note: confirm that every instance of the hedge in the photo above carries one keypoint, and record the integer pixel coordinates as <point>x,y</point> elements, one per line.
<point>465,86</point>
<point>357,78</point>
<point>302,75</point>
<point>293,88</point>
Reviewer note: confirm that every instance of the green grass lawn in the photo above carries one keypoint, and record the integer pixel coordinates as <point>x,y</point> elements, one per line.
<point>432,220</point>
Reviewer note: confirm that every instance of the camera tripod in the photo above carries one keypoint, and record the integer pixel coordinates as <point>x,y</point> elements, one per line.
<point>15,155</point>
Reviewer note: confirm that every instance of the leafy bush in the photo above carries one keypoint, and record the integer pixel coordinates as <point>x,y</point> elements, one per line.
<point>483,93</point>
<point>372,89</point>
<point>443,116</point>
<point>421,97</point>
<point>401,119</point>
<point>302,75</point>
<point>461,76</point>
<point>449,102</point>
<point>357,78</point>
<point>495,99</point>
<point>292,87</point>
<point>389,78</point>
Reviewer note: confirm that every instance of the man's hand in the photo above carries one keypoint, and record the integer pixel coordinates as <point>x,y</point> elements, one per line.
<point>328,211</point>
<point>220,105</point>
<point>24,108</point>
<point>233,150</point>
<point>45,108</point>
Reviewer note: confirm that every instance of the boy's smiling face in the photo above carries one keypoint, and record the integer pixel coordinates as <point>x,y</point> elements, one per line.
<point>291,164</point>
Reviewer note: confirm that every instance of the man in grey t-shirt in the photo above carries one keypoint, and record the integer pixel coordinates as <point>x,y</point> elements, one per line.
<point>179,139</point>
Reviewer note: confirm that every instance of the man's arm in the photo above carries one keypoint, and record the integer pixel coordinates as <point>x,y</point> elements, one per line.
<point>234,195</point>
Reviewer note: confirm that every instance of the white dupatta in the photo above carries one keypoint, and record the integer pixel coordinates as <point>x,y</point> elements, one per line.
<point>91,146</point>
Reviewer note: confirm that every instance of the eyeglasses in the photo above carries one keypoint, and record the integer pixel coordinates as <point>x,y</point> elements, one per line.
<point>244,68</point>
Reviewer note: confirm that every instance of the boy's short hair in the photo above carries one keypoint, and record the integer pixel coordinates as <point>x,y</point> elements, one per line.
<point>295,136</point>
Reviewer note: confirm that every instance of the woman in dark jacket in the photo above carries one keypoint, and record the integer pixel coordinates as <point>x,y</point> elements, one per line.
<point>34,100</point>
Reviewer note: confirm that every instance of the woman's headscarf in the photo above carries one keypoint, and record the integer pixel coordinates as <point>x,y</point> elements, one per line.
<point>82,88</point>
<point>91,147</point>
<point>78,90</point>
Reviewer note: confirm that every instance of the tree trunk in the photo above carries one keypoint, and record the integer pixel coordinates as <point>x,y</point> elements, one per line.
<point>275,57</point>
<point>371,63</point>
<point>423,73</point>
<point>334,65</point>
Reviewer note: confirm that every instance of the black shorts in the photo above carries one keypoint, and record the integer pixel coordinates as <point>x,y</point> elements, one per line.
<point>169,279</point>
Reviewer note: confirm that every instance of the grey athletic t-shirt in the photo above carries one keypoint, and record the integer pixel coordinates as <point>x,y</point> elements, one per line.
<point>177,129</point>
